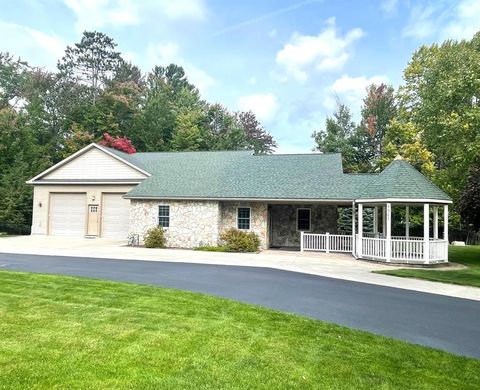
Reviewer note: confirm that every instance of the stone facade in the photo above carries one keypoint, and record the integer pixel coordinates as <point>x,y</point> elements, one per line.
<point>192,223</point>
<point>258,218</point>
<point>195,223</point>
<point>283,223</point>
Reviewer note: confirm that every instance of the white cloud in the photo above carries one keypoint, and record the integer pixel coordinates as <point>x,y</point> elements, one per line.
<point>166,53</point>
<point>37,47</point>
<point>326,51</point>
<point>421,22</point>
<point>184,9</point>
<point>436,21</point>
<point>264,106</point>
<point>389,7</point>
<point>466,21</point>
<point>350,90</point>
<point>92,14</point>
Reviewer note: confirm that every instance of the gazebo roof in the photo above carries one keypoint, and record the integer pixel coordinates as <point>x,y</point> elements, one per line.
<point>399,180</point>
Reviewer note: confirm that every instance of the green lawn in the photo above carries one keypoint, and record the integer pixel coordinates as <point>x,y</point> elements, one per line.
<point>64,332</point>
<point>467,255</point>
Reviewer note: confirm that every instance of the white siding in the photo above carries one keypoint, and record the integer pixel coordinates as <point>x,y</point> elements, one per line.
<point>95,164</point>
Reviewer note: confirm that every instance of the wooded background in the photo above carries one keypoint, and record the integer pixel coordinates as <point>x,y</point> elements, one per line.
<point>432,120</point>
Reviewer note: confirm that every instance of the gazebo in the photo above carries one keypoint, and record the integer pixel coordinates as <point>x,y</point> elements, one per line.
<point>398,185</point>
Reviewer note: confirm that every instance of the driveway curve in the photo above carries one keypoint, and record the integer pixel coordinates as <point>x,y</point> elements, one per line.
<point>437,321</point>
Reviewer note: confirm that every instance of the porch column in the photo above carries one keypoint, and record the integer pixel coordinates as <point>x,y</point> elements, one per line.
<point>384,220</point>
<point>375,221</point>
<point>388,240</point>
<point>426,233</point>
<point>435,222</point>
<point>360,229</point>
<point>354,242</point>
<point>407,222</point>
<point>445,223</point>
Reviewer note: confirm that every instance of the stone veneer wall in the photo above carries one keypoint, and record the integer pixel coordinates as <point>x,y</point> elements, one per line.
<point>258,218</point>
<point>283,219</point>
<point>192,223</point>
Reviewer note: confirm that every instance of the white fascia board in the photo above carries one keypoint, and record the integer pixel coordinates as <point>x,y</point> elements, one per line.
<point>272,200</point>
<point>80,152</point>
<point>75,183</point>
<point>403,200</point>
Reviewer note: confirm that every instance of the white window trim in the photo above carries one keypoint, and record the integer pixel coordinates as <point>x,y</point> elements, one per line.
<point>309,219</point>
<point>169,216</point>
<point>249,217</point>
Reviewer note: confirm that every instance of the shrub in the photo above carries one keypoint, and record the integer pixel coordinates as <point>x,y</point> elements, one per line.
<point>155,238</point>
<point>240,241</point>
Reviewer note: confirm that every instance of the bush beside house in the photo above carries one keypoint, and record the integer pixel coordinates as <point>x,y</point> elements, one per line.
<point>240,241</point>
<point>155,238</point>
<point>234,240</point>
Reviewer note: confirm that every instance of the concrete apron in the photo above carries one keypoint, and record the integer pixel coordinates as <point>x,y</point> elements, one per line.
<point>333,265</point>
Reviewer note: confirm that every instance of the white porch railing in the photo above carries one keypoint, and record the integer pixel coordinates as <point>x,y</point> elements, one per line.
<point>407,249</point>
<point>373,248</point>
<point>438,250</point>
<point>325,242</point>
<point>402,249</point>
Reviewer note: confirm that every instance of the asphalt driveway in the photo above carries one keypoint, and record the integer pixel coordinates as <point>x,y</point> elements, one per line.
<point>448,323</point>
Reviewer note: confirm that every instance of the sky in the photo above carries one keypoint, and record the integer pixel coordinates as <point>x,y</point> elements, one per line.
<point>287,61</point>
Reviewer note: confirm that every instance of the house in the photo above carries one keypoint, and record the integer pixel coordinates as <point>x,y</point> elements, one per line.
<point>288,200</point>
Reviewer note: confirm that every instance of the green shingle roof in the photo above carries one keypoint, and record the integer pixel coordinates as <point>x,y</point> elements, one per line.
<point>243,175</point>
<point>401,180</point>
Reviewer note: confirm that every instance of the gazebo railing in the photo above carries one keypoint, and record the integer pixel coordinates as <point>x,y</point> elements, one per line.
<point>438,250</point>
<point>373,248</point>
<point>407,249</point>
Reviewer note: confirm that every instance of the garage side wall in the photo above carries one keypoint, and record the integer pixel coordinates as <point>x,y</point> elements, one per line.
<point>192,223</point>
<point>41,200</point>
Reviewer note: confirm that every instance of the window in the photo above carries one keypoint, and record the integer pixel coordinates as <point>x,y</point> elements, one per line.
<point>164,216</point>
<point>303,219</point>
<point>243,218</point>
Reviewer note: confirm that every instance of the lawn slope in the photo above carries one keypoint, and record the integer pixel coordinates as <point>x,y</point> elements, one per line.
<point>65,332</point>
<point>466,255</point>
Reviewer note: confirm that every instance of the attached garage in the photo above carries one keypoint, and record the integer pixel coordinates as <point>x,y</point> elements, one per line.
<point>115,216</point>
<point>82,196</point>
<point>68,214</point>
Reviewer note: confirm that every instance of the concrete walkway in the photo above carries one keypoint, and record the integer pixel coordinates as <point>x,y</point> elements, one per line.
<point>338,266</point>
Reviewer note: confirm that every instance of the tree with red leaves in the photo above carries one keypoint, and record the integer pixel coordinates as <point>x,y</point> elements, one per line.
<point>120,143</point>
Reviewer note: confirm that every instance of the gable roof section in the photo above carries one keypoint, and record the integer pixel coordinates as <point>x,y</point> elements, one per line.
<point>95,164</point>
<point>399,180</point>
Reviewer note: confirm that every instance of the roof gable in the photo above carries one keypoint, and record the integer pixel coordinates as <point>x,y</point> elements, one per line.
<point>93,163</point>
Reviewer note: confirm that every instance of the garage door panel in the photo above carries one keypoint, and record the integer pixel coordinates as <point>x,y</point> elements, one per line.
<point>115,216</point>
<point>67,215</point>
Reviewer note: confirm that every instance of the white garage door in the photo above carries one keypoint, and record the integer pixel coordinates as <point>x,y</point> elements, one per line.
<point>67,215</point>
<point>115,216</point>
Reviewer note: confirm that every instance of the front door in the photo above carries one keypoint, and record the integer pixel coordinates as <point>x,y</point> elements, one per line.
<point>92,229</point>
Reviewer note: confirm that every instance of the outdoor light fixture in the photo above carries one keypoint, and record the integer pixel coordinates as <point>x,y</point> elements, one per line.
<point>40,204</point>
<point>93,198</point>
